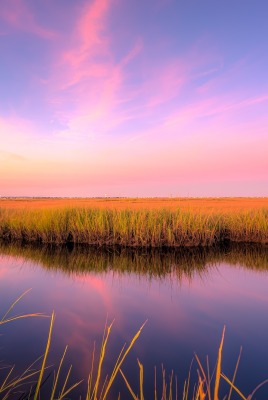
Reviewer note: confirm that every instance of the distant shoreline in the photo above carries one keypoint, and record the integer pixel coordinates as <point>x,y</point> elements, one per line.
<point>202,204</point>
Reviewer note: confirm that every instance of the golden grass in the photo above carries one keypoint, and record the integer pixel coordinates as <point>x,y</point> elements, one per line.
<point>202,205</point>
<point>132,228</point>
<point>98,388</point>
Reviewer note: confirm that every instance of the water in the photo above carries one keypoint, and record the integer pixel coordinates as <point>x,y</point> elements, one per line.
<point>186,297</point>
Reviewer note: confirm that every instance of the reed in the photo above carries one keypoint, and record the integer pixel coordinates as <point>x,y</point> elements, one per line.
<point>133,228</point>
<point>29,383</point>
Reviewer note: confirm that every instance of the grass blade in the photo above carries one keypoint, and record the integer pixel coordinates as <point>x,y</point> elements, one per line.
<point>128,385</point>
<point>121,361</point>
<point>58,374</point>
<point>45,357</point>
<point>235,372</point>
<point>141,380</point>
<point>3,320</point>
<point>218,369</point>
<point>233,386</point>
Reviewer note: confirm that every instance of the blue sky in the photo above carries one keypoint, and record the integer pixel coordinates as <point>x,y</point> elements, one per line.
<point>132,98</point>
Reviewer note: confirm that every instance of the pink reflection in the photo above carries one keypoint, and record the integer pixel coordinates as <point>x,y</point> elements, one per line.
<point>181,312</point>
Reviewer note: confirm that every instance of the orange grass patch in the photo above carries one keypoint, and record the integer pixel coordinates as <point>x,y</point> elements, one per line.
<point>231,204</point>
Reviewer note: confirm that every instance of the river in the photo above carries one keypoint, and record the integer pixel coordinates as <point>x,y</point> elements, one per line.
<point>185,296</point>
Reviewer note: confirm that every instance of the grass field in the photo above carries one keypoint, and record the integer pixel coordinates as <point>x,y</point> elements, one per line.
<point>135,222</point>
<point>225,204</point>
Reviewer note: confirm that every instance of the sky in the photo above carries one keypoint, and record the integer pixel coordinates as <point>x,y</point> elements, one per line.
<point>133,98</point>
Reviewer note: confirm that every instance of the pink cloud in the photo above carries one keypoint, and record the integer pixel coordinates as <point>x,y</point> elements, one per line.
<point>168,80</point>
<point>88,40</point>
<point>92,24</point>
<point>96,83</point>
<point>92,86</point>
<point>166,83</point>
<point>97,284</point>
<point>87,83</point>
<point>211,106</point>
<point>16,14</point>
<point>121,113</point>
<point>252,101</point>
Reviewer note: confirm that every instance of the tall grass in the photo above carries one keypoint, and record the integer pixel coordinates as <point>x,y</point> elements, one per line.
<point>133,228</point>
<point>28,384</point>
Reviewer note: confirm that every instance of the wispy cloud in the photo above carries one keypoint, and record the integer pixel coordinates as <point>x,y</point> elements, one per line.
<point>5,156</point>
<point>87,42</point>
<point>113,100</point>
<point>16,14</point>
<point>209,107</point>
<point>87,81</point>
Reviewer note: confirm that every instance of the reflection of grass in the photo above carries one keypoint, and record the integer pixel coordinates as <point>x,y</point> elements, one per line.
<point>133,228</point>
<point>99,386</point>
<point>150,262</point>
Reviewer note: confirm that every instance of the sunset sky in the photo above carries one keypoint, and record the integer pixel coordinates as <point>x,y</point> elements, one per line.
<point>133,98</point>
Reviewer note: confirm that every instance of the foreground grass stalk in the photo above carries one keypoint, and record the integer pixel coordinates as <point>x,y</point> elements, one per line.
<point>141,380</point>
<point>65,391</point>
<point>206,378</point>
<point>120,361</point>
<point>44,357</point>
<point>128,386</point>
<point>90,377</point>
<point>10,383</point>
<point>218,369</point>
<point>233,386</point>
<point>235,372</point>
<point>204,389</point>
<point>5,319</point>
<point>200,394</point>
<point>102,355</point>
<point>58,374</point>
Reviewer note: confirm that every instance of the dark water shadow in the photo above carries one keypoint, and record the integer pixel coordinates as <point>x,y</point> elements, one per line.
<point>183,262</point>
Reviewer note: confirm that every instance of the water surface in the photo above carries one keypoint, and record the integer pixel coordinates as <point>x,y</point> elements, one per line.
<point>187,297</point>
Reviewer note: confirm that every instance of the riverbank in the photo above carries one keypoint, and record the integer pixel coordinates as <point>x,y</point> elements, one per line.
<point>139,227</point>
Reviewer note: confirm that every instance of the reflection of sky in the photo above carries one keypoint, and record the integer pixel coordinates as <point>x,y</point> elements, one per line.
<point>183,317</point>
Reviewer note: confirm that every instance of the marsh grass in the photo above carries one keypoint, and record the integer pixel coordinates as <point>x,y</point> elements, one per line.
<point>30,382</point>
<point>133,228</point>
